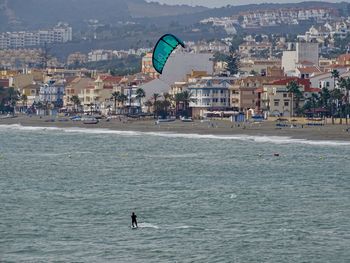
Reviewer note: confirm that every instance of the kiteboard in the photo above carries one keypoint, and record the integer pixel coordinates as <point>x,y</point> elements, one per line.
<point>133,227</point>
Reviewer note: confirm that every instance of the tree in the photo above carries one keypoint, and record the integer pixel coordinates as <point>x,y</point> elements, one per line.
<point>122,98</point>
<point>344,85</point>
<point>235,42</point>
<point>76,102</point>
<point>115,96</point>
<point>148,104</point>
<point>294,89</point>
<point>140,93</point>
<point>187,98</point>
<point>13,98</point>
<point>232,63</point>
<point>335,76</point>
<point>336,98</point>
<point>178,99</point>
<point>325,96</point>
<point>155,98</point>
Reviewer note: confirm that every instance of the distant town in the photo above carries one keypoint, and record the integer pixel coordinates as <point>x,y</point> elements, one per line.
<point>257,74</point>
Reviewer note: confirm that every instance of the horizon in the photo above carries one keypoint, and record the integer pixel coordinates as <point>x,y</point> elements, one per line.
<point>222,3</point>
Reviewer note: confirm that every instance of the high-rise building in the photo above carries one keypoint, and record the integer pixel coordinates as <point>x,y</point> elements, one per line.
<point>61,33</point>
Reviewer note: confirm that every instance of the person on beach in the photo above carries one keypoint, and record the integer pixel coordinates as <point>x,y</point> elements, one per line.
<point>133,220</point>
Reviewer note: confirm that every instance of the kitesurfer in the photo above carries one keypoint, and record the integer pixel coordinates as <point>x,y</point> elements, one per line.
<point>133,220</point>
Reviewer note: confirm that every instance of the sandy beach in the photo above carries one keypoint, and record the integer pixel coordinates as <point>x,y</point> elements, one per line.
<point>214,127</point>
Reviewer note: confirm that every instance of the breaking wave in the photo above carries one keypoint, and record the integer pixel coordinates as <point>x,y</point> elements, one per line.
<point>256,138</point>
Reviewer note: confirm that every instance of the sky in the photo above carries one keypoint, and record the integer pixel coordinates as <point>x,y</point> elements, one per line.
<point>219,3</point>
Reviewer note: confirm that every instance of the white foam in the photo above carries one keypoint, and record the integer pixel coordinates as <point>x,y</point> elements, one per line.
<point>183,227</point>
<point>233,196</point>
<point>147,225</point>
<point>256,138</point>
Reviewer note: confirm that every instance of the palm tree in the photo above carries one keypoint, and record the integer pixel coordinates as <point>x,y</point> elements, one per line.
<point>187,98</point>
<point>122,98</point>
<point>294,89</point>
<point>12,97</point>
<point>178,98</point>
<point>140,93</point>
<point>335,76</point>
<point>167,101</point>
<point>336,96</point>
<point>344,85</point>
<point>155,98</point>
<point>314,99</point>
<point>76,102</point>
<point>148,104</point>
<point>115,96</point>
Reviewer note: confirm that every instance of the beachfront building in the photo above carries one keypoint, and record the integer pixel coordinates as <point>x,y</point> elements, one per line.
<point>51,94</point>
<point>277,101</point>
<point>98,97</point>
<point>245,92</point>
<point>76,86</point>
<point>210,94</point>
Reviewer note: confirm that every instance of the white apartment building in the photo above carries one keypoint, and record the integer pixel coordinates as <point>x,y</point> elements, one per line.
<point>99,55</point>
<point>50,93</point>
<point>210,94</point>
<point>305,53</point>
<point>59,34</point>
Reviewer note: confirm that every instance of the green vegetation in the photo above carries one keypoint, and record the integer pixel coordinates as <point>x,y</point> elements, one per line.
<point>117,67</point>
<point>8,99</point>
<point>334,104</point>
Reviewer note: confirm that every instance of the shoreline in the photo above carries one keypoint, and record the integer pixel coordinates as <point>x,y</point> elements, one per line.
<point>328,132</point>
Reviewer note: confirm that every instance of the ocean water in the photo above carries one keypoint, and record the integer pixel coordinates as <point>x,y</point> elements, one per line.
<point>66,195</point>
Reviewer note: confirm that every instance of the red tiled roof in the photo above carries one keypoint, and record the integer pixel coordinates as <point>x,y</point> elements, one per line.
<point>312,69</point>
<point>111,79</point>
<point>286,81</point>
<point>314,90</point>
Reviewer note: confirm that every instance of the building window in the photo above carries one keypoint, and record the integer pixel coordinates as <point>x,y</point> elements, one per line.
<point>284,95</point>
<point>286,103</point>
<point>276,103</point>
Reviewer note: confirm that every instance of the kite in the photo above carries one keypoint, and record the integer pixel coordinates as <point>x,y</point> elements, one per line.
<point>164,47</point>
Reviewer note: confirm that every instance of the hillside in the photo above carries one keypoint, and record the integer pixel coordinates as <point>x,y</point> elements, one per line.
<point>186,19</point>
<point>34,14</point>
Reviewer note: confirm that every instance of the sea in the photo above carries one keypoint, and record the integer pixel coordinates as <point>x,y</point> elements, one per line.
<point>66,195</point>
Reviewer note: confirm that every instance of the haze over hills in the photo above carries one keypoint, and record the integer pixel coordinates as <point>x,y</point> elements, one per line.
<point>35,14</point>
<point>30,14</point>
<point>220,3</point>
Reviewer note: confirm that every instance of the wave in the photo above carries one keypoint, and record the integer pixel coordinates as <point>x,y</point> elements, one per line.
<point>256,138</point>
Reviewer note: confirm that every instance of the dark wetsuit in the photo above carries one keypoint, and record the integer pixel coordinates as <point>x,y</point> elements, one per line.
<point>133,220</point>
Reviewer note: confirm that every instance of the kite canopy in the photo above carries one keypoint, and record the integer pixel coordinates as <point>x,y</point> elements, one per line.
<point>165,45</point>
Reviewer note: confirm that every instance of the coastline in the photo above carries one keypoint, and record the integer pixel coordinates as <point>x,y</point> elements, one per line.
<point>216,127</point>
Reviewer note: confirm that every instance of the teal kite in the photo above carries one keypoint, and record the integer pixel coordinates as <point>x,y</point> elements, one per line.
<point>165,45</point>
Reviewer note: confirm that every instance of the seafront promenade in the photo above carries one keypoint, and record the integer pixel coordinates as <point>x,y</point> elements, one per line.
<point>296,128</point>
